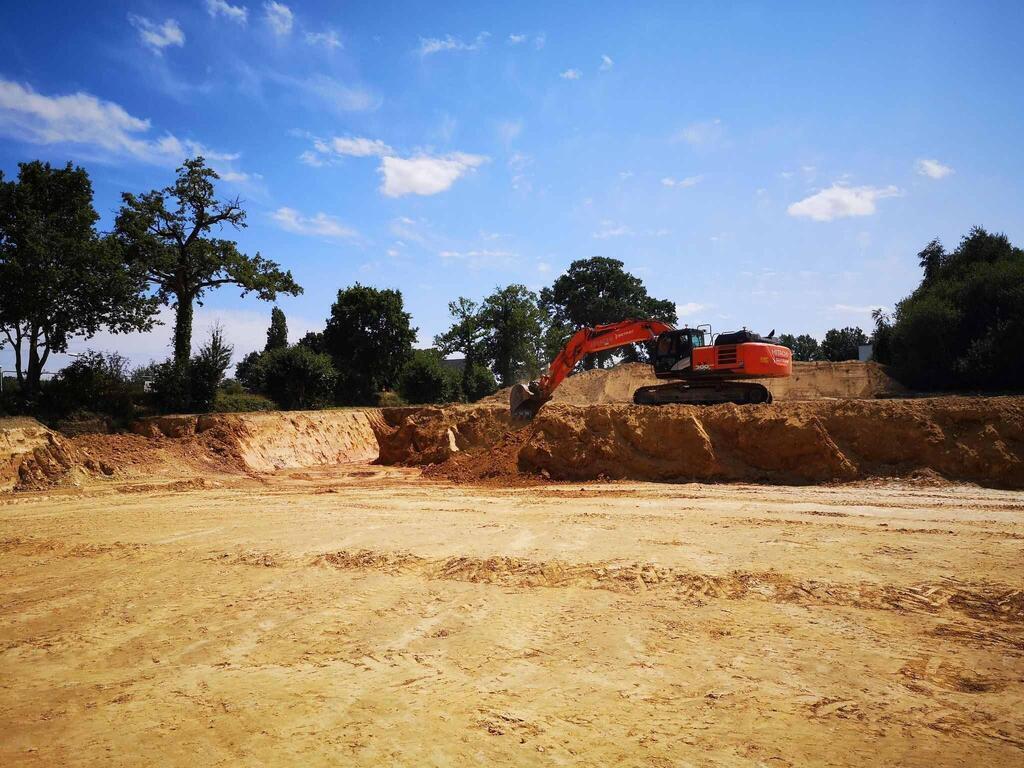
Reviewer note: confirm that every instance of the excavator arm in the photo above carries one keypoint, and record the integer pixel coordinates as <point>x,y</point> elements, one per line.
<point>525,400</point>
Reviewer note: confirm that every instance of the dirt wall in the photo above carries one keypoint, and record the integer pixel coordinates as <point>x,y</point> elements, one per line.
<point>269,441</point>
<point>33,456</point>
<point>969,439</point>
<point>973,439</point>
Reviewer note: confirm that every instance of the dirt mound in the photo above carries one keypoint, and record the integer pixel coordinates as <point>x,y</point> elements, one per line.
<point>135,456</point>
<point>496,464</point>
<point>973,439</point>
<point>810,381</point>
<point>33,457</point>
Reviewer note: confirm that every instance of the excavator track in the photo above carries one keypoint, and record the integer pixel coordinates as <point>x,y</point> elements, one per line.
<point>703,393</point>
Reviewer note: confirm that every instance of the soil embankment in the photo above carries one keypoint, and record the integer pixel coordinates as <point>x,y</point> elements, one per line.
<point>265,442</point>
<point>32,456</point>
<point>972,439</point>
<point>969,439</point>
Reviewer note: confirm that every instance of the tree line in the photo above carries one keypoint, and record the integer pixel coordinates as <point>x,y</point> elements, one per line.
<point>365,354</point>
<point>61,278</point>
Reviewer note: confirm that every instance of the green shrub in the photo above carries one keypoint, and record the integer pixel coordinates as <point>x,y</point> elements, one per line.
<point>250,372</point>
<point>389,400</point>
<point>95,383</point>
<point>478,382</point>
<point>426,379</point>
<point>170,390</point>
<point>298,378</point>
<point>207,369</point>
<point>242,402</point>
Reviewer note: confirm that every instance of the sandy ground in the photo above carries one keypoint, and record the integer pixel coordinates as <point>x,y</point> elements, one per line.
<point>367,616</point>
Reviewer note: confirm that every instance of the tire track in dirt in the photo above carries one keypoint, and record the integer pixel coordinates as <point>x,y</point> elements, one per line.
<point>980,600</point>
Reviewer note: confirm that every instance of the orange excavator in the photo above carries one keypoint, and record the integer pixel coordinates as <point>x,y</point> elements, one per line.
<point>703,373</point>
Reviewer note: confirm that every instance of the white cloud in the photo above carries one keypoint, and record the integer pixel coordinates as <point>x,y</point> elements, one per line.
<point>543,267</point>
<point>514,39</point>
<point>610,229</point>
<point>689,309</point>
<point>359,147</point>
<point>479,258</point>
<point>431,45</point>
<point>236,13</point>
<point>539,41</point>
<point>689,181</point>
<point>518,162</point>
<point>840,201</point>
<point>157,36</point>
<point>422,174</point>
<point>279,16</point>
<point>606,63</point>
<point>571,74</point>
<point>425,175</point>
<point>328,39</point>
<point>332,93</point>
<point>702,134</point>
<point>320,225</point>
<point>508,130</point>
<point>854,309</point>
<point>933,169</point>
<point>81,118</point>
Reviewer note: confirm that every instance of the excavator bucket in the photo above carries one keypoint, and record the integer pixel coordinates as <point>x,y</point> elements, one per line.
<point>523,402</point>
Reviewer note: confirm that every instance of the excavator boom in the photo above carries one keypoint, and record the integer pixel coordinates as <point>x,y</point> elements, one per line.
<point>525,400</point>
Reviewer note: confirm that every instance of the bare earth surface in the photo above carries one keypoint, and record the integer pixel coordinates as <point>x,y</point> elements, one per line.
<point>365,616</point>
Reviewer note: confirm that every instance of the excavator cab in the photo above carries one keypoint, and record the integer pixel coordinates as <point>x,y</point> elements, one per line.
<point>673,349</point>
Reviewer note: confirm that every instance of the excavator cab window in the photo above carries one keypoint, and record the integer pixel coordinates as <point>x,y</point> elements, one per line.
<point>672,347</point>
<point>665,345</point>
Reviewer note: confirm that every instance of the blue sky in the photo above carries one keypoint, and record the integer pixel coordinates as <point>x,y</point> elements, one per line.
<point>760,164</point>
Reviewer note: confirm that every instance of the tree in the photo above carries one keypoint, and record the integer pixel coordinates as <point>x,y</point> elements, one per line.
<point>167,235</point>
<point>298,378</point>
<point>480,382</point>
<point>931,259</point>
<point>426,379</point>
<point>58,278</point>
<point>369,338</point>
<point>962,326</point>
<point>313,340</point>
<point>805,347</point>
<point>465,336</point>
<point>881,339</point>
<point>843,344</point>
<point>277,333</point>
<point>596,291</point>
<point>250,372</point>
<point>512,323</point>
<point>207,370</point>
